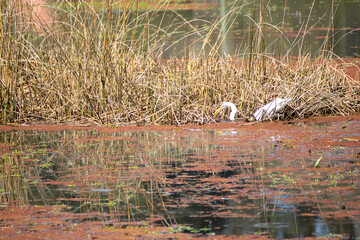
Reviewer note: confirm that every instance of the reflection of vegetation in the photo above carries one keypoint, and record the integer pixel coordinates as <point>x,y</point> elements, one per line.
<point>193,178</point>
<point>107,67</point>
<point>13,182</point>
<point>127,185</point>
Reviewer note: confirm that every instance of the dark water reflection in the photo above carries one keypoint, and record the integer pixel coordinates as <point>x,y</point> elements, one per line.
<point>297,28</point>
<point>228,182</point>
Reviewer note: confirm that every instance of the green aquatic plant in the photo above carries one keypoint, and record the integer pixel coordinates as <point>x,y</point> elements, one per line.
<point>318,162</point>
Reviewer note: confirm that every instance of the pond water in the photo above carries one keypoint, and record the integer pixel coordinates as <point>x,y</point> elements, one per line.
<point>242,180</point>
<point>291,28</point>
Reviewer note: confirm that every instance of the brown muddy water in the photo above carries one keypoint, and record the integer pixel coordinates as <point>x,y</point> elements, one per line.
<point>222,180</point>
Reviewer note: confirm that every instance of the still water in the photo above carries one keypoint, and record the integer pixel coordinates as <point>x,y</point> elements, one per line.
<point>289,28</point>
<point>235,181</point>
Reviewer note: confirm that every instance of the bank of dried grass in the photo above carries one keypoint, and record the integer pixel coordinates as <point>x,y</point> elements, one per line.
<point>97,68</point>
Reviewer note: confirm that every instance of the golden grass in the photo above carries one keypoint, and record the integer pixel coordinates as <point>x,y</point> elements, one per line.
<point>106,68</point>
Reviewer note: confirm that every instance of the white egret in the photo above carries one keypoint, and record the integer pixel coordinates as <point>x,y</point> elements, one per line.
<point>271,108</point>
<point>230,105</point>
<point>265,111</point>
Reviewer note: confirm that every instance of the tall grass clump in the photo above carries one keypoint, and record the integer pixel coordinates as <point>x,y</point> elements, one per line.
<point>105,63</point>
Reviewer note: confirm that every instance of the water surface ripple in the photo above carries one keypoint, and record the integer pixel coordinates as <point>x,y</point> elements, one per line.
<point>233,181</point>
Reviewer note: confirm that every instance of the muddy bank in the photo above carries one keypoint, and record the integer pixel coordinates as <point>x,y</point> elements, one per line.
<point>219,125</point>
<point>38,15</point>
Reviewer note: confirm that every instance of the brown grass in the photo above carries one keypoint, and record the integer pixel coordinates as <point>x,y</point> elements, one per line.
<point>86,67</point>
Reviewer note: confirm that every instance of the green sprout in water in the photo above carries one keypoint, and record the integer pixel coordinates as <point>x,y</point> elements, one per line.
<point>318,162</point>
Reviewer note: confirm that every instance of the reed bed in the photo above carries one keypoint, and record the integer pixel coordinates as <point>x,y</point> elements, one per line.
<point>99,66</point>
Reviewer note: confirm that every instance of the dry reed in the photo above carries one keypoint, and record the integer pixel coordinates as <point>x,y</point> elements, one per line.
<point>106,68</point>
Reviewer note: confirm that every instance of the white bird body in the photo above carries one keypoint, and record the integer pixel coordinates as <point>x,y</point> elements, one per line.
<point>271,108</point>
<point>230,105</point>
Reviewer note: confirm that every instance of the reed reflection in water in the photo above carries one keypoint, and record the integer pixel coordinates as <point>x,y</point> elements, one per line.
<point>229,181</point>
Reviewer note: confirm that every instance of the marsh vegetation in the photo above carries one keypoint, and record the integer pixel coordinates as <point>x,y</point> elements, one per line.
<point>110,64</point>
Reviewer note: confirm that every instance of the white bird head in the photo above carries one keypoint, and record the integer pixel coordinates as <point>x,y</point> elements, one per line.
<point>230,105</point>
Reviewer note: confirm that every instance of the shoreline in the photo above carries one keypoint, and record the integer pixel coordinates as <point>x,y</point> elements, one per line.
<point>208,126</point>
